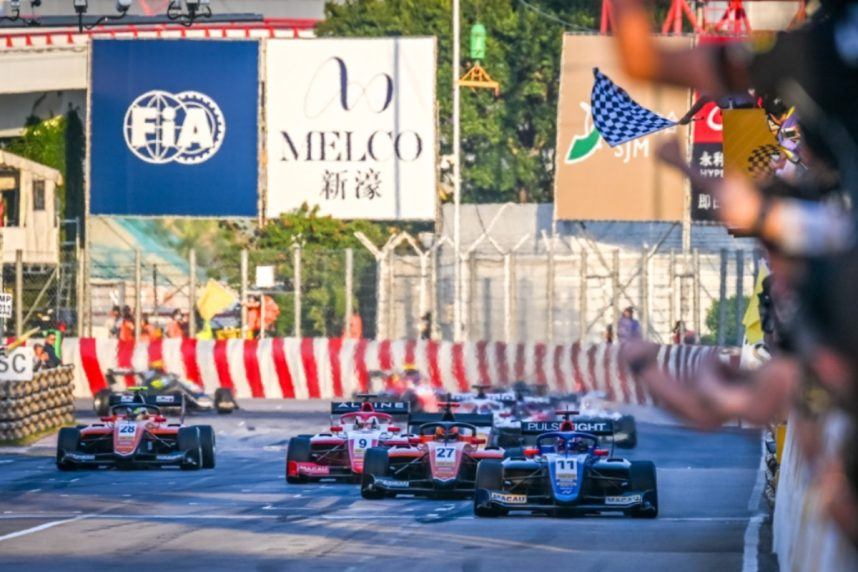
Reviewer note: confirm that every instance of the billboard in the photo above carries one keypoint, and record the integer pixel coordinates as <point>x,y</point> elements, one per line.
<point>174,128</point>
<point>351,127</point>
<point>707,158</point>
<point>594,181</point>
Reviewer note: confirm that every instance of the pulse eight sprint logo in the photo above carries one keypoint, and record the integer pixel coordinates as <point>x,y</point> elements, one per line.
<point>162,127</point>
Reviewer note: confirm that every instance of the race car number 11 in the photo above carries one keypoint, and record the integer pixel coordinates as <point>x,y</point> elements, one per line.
<point>566,469</point>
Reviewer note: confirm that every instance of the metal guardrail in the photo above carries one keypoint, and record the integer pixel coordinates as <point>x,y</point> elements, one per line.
<point>28,408</point>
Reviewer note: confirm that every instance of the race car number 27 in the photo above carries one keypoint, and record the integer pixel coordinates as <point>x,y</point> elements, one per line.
<point>445,455</point>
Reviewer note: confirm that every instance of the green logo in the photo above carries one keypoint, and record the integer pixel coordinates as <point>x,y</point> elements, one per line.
<point>584,145</point>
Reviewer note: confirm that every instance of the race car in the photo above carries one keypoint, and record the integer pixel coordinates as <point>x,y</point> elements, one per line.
<point>568,471</point>
<point>135,434</point>
<point>484,421</point>
<point>593,408</point>
<point>439,461</point>
<point>408,385</point>
<point>339,453</point>
<point>158,381</point>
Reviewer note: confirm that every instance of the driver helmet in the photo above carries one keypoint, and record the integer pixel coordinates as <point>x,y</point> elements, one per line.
<point>579,445</point>
<point>439,432</point>
<point>560,445</point>
<point>140,413</point>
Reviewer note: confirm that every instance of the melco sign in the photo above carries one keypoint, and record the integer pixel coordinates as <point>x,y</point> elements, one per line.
<point>351,127</point>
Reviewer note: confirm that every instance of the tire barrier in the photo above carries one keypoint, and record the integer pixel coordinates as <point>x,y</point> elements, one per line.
<point>301,368</point>
<point>804,536</point>
<point>32,407</point>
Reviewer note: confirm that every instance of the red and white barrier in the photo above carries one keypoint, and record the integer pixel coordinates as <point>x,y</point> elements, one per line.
<point>301,368</point>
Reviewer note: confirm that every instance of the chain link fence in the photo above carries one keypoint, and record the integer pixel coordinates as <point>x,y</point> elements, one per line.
<point>403,289</point>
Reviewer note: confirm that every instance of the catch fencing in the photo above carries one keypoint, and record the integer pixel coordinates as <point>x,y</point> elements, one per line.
<point>302,368</point>
<point>404,289</point>
<point>29,408</point>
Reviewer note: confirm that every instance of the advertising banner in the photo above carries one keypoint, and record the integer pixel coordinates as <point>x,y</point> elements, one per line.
<point>351,127</point>
<point>594,181</point>
<point>749,144</point>
<point>174,128</point>
<point>707,157</point>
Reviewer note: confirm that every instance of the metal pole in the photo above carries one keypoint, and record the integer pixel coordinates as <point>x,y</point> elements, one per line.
<point>433,294</point>
<point>87,258</point>
<point>391,301</point>
<point>549,330</point>
<point>80,270</point>
<point>242,292</point>
<point>192,294</point>
<point>350,265</point>
<point>507,297</point>
<point>296,263</point>
<point>645,292</point>
<point>381,307</point>
<point>457,184</point>
<point>722,297</point>
<point>696,293</point>
<point>472,295</point>
<point>740,301</point>
<point>138,294</point>
<point>19,292</point>
<point>424,295</point>
<point>582,297</point>
<point>671,272</point>
<point>615,288</point>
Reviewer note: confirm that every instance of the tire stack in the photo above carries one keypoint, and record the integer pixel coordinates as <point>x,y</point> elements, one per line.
<point>31,407</point>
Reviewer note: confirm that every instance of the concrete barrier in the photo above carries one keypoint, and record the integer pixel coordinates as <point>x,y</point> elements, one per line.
<point>804,537</point>
<point>301,368</point>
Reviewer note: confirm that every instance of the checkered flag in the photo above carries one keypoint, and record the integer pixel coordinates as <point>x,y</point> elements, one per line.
<point>617,116</point>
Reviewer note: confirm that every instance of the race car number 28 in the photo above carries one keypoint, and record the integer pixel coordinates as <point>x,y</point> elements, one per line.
<point>127,430</point>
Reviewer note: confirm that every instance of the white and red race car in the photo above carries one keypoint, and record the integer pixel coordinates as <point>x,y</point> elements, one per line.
<point>135,434</point>
<point>339,453</point>
<point>440,461</point>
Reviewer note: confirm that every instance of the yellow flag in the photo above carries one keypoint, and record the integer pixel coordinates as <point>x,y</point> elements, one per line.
<point>214,299</point>
<point>749,144</point>
<point>751,321</point>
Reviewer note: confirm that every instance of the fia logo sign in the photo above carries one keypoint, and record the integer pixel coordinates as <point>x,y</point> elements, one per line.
<point>162,127</point>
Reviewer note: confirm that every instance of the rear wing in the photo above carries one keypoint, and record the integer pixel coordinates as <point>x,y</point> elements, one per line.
<point>475,419</point>
<point>507,398</point>
<point>389,407</point>
<point>598,427</point>
<point>160,399</point>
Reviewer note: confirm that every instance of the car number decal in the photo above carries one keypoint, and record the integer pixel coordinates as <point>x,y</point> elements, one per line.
<point>566,470</point>
<point>508,498</point>
<point>445,455</point>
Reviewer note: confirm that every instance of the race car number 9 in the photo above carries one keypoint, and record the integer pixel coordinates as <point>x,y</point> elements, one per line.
<point>361,444</point>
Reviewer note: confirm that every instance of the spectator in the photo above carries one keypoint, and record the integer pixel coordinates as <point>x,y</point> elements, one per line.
<point>254,316</point>
<point>126,325</point>
<point>114,320</point>
<point>51,358</point>
<point>678,328</point>
<point>39,357</point>
<point>354,329</point>
<point>628,328</point>
<point>426,326</point>
<point>148,331</point>
<point>609,334</point>
<point>174,328</point>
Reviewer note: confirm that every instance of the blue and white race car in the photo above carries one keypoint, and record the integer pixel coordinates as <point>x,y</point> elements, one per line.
<point>568,470</point>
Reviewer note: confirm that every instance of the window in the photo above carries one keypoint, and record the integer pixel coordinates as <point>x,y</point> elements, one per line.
<point>38,195</point>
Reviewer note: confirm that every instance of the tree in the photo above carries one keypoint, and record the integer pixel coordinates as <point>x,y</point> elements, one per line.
<point>713,318</point>
<point>507,143</point>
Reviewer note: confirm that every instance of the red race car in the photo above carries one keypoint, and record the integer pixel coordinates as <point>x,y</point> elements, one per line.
<point>440,460</point>
<point>135,434</point>
<point>339,453</point>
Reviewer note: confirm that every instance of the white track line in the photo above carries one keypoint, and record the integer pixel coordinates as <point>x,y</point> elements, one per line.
<point>41,527</point>
<point>752,531</point>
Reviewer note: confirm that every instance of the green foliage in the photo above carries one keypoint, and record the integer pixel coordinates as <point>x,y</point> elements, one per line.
<point>43,142</point>
<point>713,317</point>
<point>507,143</point>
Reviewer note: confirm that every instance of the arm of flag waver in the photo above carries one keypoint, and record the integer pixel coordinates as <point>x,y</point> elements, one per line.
<point>618,117</point>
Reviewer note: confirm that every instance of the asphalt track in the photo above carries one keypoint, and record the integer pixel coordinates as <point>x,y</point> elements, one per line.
<point>243,516</point>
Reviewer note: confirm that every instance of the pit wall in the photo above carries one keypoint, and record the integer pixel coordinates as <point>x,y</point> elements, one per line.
<point>301,368</point>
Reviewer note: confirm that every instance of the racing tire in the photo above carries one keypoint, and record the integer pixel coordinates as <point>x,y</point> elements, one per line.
<point>375,464</point>
<point>298,452</point>
<point>489,477</point>
<point>642,477</point>
<point>207,444</point>
<point>67,440</point>
<point>224,401</point>
<point>101,402</point>
<point>628,426</point>
<point>188,441</point>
